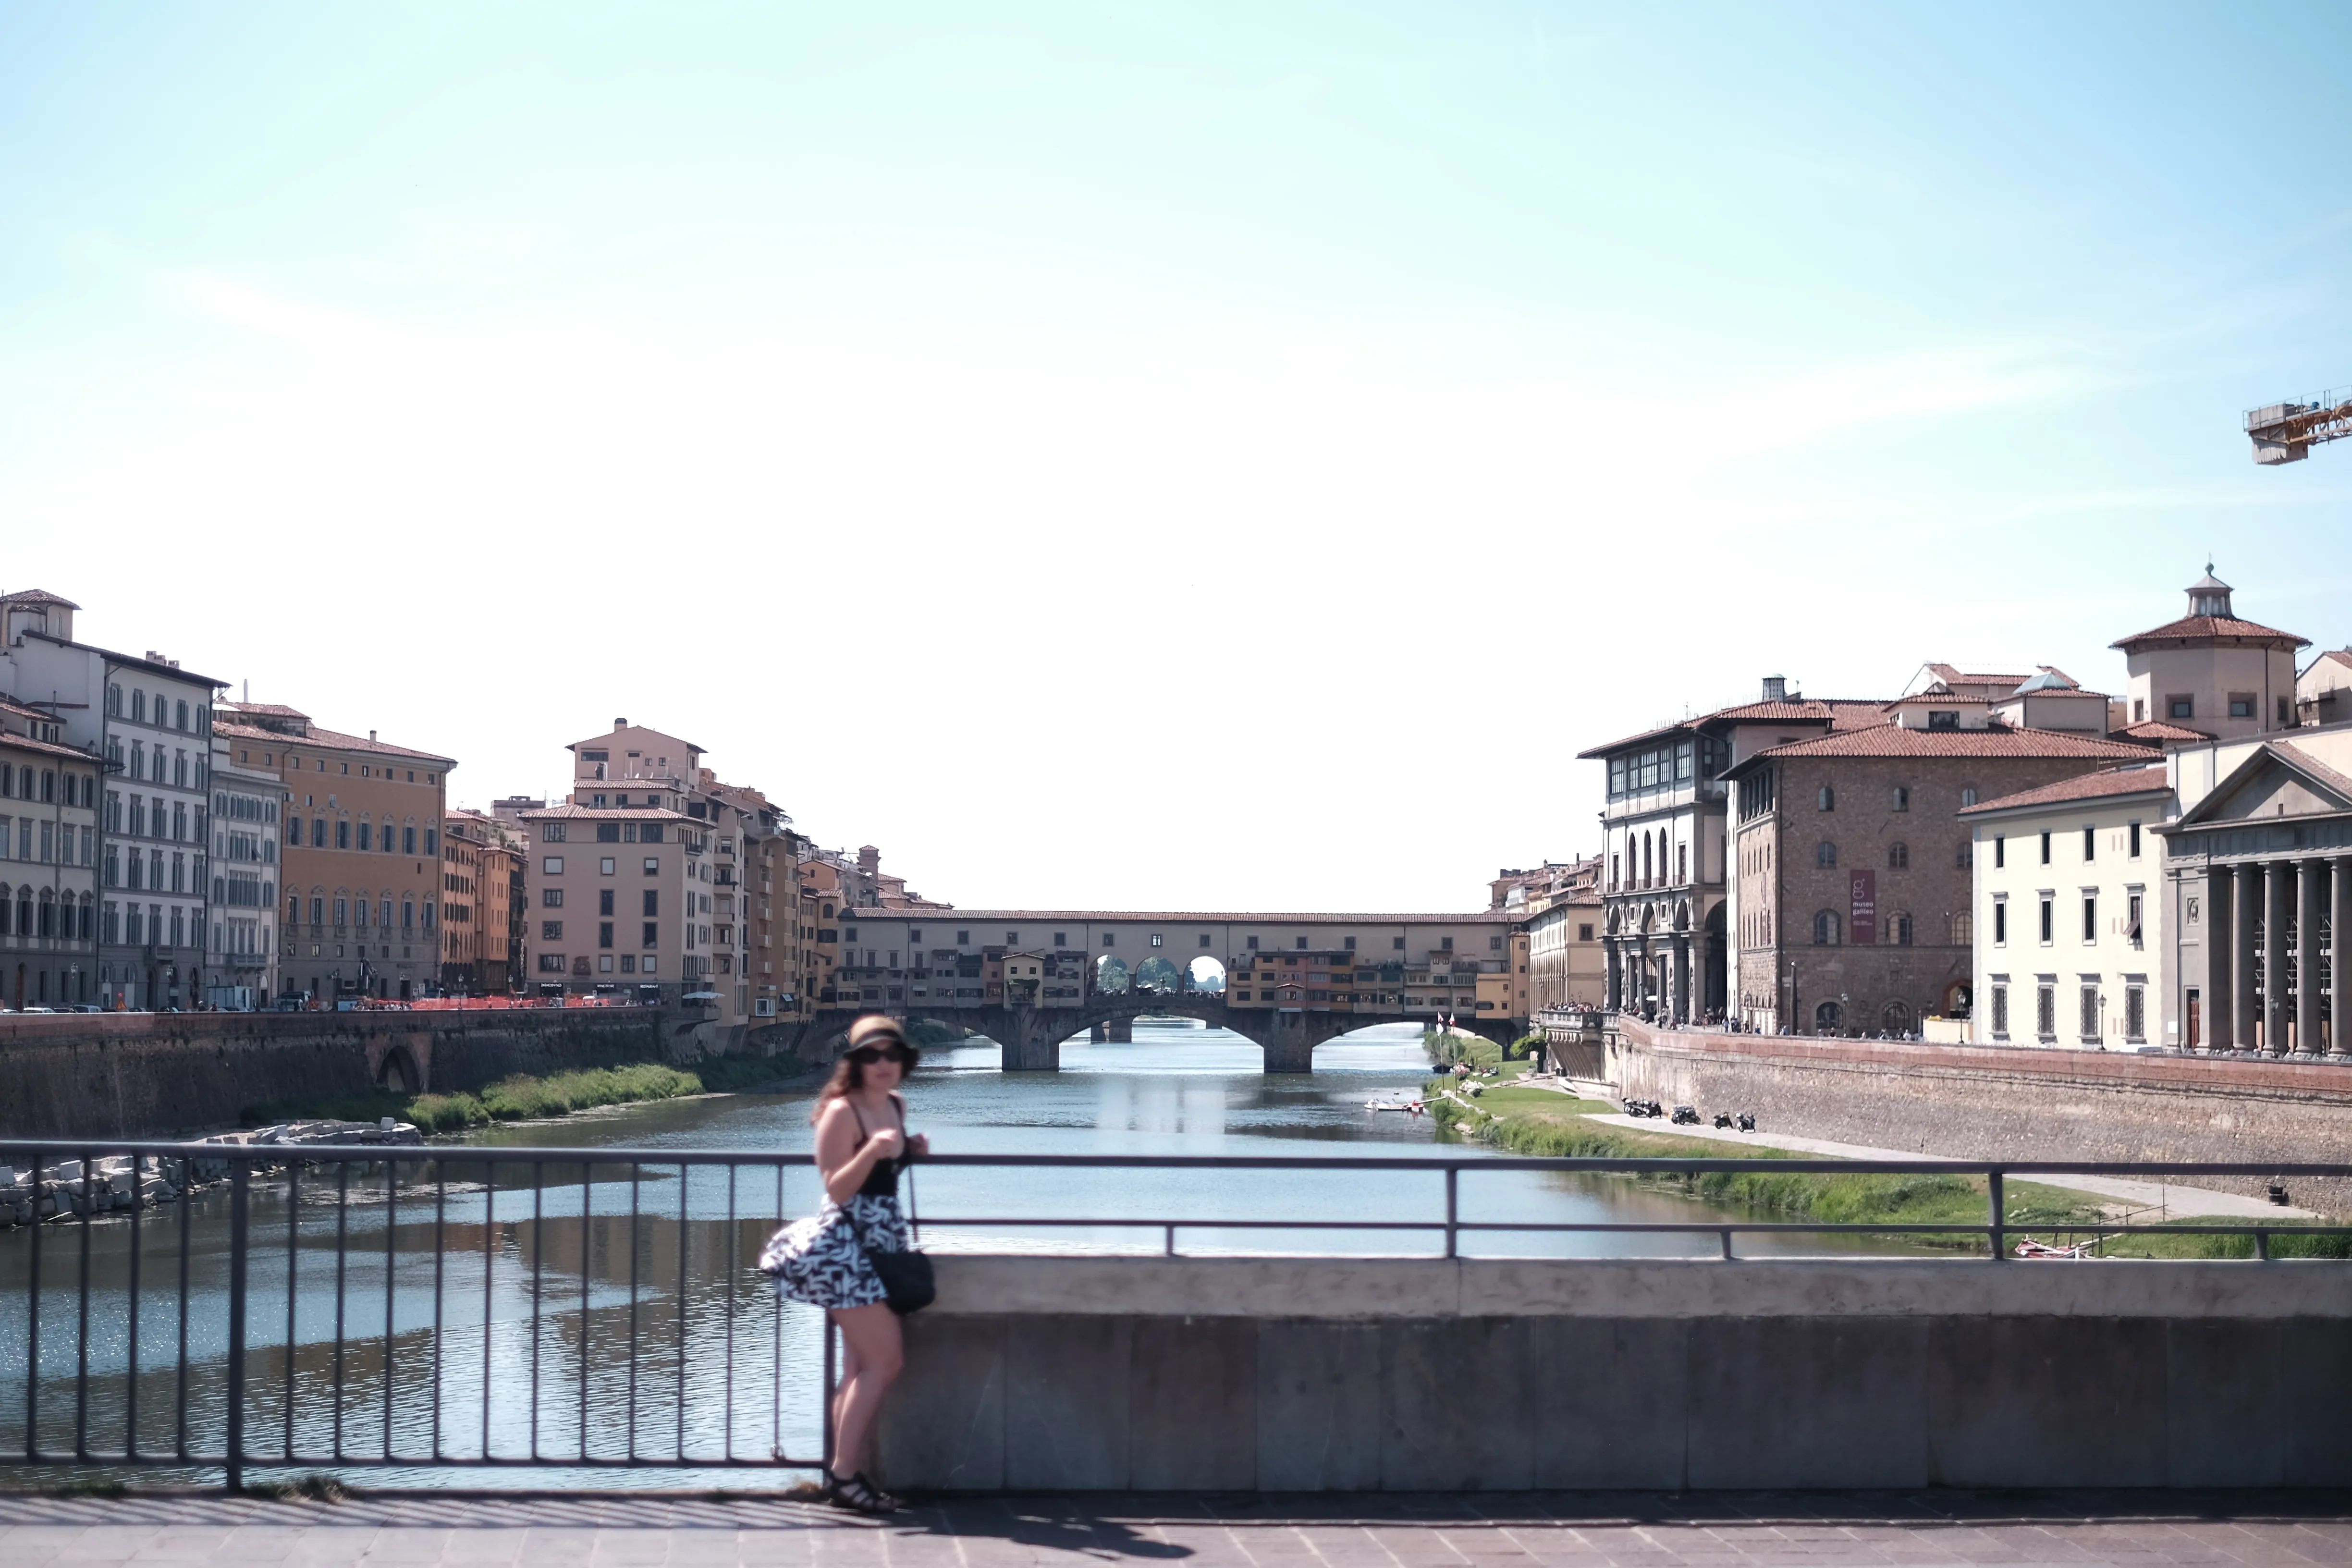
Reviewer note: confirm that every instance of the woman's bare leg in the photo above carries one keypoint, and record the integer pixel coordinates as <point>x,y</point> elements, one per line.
<point>841,1398</point>
<point>876,1350</point>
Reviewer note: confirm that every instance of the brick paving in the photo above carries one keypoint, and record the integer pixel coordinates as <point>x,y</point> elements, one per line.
<point>384,1530</point>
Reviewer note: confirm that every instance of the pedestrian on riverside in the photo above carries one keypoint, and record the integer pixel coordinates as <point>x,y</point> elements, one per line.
<point>862,1144</point>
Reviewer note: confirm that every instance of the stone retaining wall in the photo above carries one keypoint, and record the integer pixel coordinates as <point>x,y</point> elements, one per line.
<point>1989,1102</point>
<point>150,1075</point>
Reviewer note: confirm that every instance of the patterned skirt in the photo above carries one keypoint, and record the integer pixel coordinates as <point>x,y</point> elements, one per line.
<point>820,1260</point>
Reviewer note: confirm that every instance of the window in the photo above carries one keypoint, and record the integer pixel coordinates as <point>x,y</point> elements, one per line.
<point>652,935</point>
<point>1827,800</point>
<point>1903,929</point>
<point>653,869</point>
<point>1965,856</point>
<point>1302,943</point>
<point>553,866</point>
<point>408,842</point>
<point>2049,918</point>
<point>1963,929</point>
<point>2178,707</point>
<point>608,833</point>
<point>366,833</point>
<point>551,963</point>
<point>1584,933</point>
<point>1967,795</point>
<point>2282,710</point>
<point>2087,1005</point>
<point>2131,918</point>
<point>604,867</point>
<point>604,899</point>
<point>2241,705</point>
<point>1444,944</point>
<point>1943,719</point>
<point>2046,1012</point>
<point>2132,840</point>
<point>1155,940</point>
<point>1682,863</point>
<point>1901,798</point>
<point>605,932</point>
<point>653,905</point>
<point>2090,918</point>
<point>1204,940</point>
<point>2045,847</point>
<point>2000,850</point>
<point>551,931</point>
<point>1825,929</point>
<point>343,834</point>
<point>1825,855</point>
<point>1898,856</point>
<point>2135,1012</point>
<point>551,898</point>
<point>2090,845</point>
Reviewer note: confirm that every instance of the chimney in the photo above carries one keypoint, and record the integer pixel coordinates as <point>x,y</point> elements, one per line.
<point>371,734</point>
<point>1776,688</point>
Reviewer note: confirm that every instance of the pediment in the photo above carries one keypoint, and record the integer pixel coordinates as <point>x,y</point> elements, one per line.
<point>2272,786</point>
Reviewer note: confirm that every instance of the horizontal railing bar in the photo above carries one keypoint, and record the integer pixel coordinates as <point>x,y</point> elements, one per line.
<point>1695,1228</point>
<point>282,1153</point>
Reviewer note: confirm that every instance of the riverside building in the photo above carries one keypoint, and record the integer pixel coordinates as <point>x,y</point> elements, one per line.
<point>242,947</point>
<point>151,722</point>
<point>48,826</point>
<point>361,852</point>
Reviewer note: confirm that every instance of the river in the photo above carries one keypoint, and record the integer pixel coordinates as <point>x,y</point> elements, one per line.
<point>605,1332</point>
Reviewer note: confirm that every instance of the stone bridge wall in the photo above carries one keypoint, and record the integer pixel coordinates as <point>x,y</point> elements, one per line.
<point>144,1075</point>
<point>1990,1102</point>
<point>1297,1375</point>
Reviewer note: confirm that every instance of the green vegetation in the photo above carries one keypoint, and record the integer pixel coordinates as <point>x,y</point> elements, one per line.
<point>517,1099</point>
<point>930,1033</point>
<point>1527,1045</point>
<point>1544,1125</point>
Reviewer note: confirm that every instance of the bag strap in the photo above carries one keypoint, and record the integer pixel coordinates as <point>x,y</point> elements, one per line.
<point>914,1220</point>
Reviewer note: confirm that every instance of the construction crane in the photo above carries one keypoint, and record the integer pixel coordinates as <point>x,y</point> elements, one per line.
<point>2286,432</point>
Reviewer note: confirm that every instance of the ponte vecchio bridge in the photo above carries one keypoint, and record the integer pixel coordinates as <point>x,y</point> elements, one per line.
<point>1031,979</point>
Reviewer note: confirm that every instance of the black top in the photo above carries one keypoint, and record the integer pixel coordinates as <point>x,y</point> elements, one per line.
<point>882,1180</point>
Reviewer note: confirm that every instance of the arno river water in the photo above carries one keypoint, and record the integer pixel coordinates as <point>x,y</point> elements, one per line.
<point>605,1332</point>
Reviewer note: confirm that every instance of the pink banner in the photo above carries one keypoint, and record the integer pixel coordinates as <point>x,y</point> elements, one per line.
<point>1863,920</point>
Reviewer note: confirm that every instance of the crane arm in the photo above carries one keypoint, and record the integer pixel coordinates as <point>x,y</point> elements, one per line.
<point>2286,432</point>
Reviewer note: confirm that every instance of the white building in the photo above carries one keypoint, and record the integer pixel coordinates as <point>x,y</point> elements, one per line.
<point>2070,931</point>
<point>241,958</point>
<point>152,721</point>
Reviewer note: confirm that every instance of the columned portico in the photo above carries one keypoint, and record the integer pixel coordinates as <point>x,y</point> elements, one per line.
<point>2311,905</point>
<point>2221,1007</point>
<point>2270,981</point>
<point>2245,922</point>
<point>2278,910</point>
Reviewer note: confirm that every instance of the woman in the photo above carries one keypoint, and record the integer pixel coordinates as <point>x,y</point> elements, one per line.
<point>861,1146</point>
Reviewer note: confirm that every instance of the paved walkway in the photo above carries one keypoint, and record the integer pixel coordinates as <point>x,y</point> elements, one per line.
<point>1566,1530</point>
<point>2172,1201</point>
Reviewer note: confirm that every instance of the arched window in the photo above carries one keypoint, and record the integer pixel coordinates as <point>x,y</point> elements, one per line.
<point>1898,856</point>
<point>1648,860</point>
<point>1827,1017</point>
<point>1825,929</point>
<point>1902,928</point>
<point>1682,863</point>
<point>139,704</point>
<point>1828,798</point>
<point>1965,856</point>
<point>7,919</point>
<point>1899,799</point>
<point>1825,855</point>
<point>1896,1017</point>
<point>1968,795</point>
<point>1964,928</point>
<point>49,912</point>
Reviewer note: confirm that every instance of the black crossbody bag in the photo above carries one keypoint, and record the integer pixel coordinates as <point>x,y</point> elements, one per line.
<point>906,1276</point>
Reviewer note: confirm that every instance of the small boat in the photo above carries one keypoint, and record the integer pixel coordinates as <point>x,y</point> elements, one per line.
<point>1413,1106</point>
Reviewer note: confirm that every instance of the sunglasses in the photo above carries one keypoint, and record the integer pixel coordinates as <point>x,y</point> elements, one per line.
<point>869,1055</point>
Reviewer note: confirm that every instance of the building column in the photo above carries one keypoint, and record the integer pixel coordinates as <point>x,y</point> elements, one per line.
<point>1612,965</point>
<point>2219,1015</point>
<point>2278,909</point>
<point>2311,902</point>
<point>2339,922</point>
<point>2245,915</point>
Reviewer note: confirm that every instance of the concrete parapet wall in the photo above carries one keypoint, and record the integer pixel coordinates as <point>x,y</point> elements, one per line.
<point>155,1074</point>
<point>1290,1375</point>
<point>1994,1103</point>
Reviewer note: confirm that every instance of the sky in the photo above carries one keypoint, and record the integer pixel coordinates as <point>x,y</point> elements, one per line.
<point>1204,457</point>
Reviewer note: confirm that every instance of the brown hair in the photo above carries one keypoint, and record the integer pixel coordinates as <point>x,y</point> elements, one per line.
<point>872,1031</point>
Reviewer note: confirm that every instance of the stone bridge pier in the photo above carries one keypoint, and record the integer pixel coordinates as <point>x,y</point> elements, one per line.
<point>1032,1037</point>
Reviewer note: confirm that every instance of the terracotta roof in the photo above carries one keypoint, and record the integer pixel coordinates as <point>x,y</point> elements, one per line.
<point>330,741</point>
<point>2334,655</point>
<point>38,596</point>
<point>1180,917</point>
<point>606,814</point>
<point>2301,756</point>
<point>2156,733</point>
<point>275,709</point>
<point>1838,713</point>
<point>132,660</point>
<point>2141,780</point>
<point>2211,628</point>
<point>47,748</point>
<point>1894,740</point>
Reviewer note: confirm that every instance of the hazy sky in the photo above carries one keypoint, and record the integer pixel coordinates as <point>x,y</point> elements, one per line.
<point>1211,457</point>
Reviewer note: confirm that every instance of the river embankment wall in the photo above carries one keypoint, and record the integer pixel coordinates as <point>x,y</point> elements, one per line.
<point>149,1075</point>
<point>1990,1102</point>
<point>1294,1375</point>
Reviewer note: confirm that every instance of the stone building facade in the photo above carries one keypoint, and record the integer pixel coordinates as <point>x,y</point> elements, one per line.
<point>1855,871</point>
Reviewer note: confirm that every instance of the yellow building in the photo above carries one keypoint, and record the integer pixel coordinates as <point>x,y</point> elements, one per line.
<point>361,878</point>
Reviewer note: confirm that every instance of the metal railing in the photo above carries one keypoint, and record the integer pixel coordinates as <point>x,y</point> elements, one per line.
<point>227,1308</point>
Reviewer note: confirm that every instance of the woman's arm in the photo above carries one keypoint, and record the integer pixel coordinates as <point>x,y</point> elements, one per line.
<point>845,1158</point>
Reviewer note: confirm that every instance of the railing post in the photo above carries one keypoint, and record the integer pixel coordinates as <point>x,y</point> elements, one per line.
<point>2000,1214</point>
<point>239,1189</point>
<point>1453,1204</point>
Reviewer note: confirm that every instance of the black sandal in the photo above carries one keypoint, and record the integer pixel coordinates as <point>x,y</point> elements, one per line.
<point>858,1495</point>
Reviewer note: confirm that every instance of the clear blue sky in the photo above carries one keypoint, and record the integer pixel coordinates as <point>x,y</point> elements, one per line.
<point>913,407</point>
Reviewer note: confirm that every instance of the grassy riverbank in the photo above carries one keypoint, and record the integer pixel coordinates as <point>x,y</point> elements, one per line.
<point>524,1098</point>
<point>1548,1125</point>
